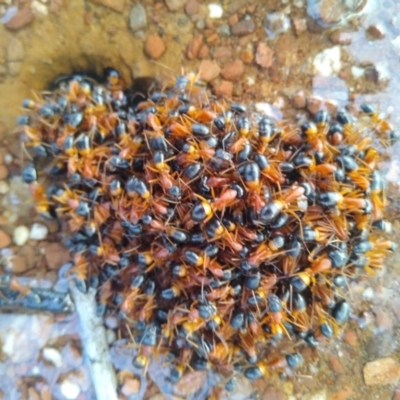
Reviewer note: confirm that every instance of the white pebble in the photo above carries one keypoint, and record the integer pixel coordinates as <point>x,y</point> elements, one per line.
<point>21,235</point>
<point>53,356</point>
<point>8,158</point>
<point>368,294</point>
<point>39,8</point>
<point>215,10</point>
<point>4,188</point>
<point>38,231</point>
<point>327,63</point>
<point>70,390</point>
<point>357,72</point>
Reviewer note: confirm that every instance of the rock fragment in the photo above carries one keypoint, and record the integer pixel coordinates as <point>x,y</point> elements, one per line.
<point>327,62</point>
<point>383,371</point>
<point>264,55</point>
<point>175,5</point>
<point>5,239</point>
<point>224,89</point>
<point>194,47</point>
<point>154,47</point>
<point>56,255</point>
<point>376,31</point>
<point>138,18</point>
<point>299,25</point>
<point>20,19</point>
<point>192,7</point>
<point>276,23</point>
<point>340,37</point>
<point>299,99</point>
<point>233,71</point>
<point>209,70</point>
<point>243,27</point>
<point>21,235</point>
<point>38,231</point>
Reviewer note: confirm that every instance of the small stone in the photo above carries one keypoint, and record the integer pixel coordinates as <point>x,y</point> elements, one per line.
<point>340,37</point>
<point>192,7</point>
<point>15,50</point>
<point>233,71</point>
<point>4,187</point>
<point>56,255</point>
<point>130,386</point>
<point>21,235</point>
<point>233,20</point>
<point>350,337</point>
<point>336,365</point>
<point>22,18</point>
<point>3,172</point>
<point>190,383</point>
<point>215,11</point>
<point>111,322</point>
<point>299,99</point>
<point>194,47</point>
<point>154,47</point>
<point>209,70</point>
<point>115,5</point>
<point>138,18</point>
<point>224,89</point>
<point>19,264</point>
<point>376,31</point>
<point>243,27</point>
<point>38,231</point>
<point>264,55</point>
<point>327,62</point>
<point>222,53</point>
<point>5,239</point>
<point>273,393</point>
<point>314,104</point>
<point>276,23</point>
<point>8,159</point>
<point>343,394</point>
<point>53,356</point>
<point>69,389</point>
<point>175,5</point>
<point>384,371</point>
<point>204,52</point>
<point>299,25</point>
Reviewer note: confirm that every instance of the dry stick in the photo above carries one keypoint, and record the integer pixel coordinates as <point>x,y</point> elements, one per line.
<point>95,345</point>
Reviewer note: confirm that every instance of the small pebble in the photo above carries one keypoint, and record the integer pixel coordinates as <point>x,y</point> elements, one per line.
<point>21,235</point>
<point>154,47</point>
<point>8,158</point>
<point>21,18</point>
<point>209,70</point>
<point>383,371</point>
<point>19,264</point>
<point>4,188</point>
<point>264,55</point>
<point>233,71</point>
<point>299,99</point>
<point>175,5</point>
<point>215,10</point>
<point>243,27</point>
<point>327,62</point>
<point>130,386</point>
<point>69,389</point>
<point>53,356</point>
<point>56,255</point>
<point>376,31</point>
<point>138,18</point>
<point>38,231</point>
<point>3,172</point>
<point>224,89</point>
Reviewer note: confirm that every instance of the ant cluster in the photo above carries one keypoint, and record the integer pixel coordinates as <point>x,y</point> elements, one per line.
<point>212,230</point>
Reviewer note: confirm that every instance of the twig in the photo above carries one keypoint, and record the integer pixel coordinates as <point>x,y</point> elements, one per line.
<point>95,345</point>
